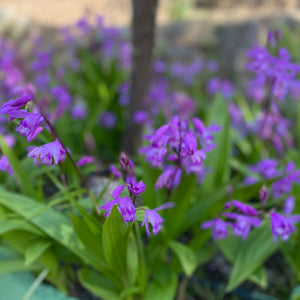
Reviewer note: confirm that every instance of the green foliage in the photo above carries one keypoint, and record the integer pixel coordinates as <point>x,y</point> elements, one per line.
<point>251,254</point>
<point>187,257</point>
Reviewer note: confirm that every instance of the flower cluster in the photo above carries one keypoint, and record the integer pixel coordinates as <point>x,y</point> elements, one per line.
<point>269,169</point>
<point>30,126</point>
<point>126,204</point>
<point>175,147</point>
<point>274,74</point>
<point>220,86</point>
<point>248,217</point>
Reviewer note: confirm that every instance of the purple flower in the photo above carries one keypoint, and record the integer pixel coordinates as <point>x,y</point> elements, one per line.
<point>273,73</point>
<point>194,162</point>
<point>284,185</point>
<point>15,105</point>
<point>5,165</point>
<point>42,61</point>
<point>140,116</point>
<point>244,208</point>
<point>159,66</point>
<point>138,188</point>
<point>115,172</point>
<point>126,207</point>
<point>126,162</point>
<point>282,226</point>
<point>78,111</point>
<point>49,154</point>
<point>155,155</point>
<point>61,95</point>
<point>217,85</point>
<point>189,144</point>
<point>42,81</point>
<point>219,228</point>
<point>263,195</point>
<point>152,217</point>
<point>289,205</point>
<point>170,178</point>
<point>85,160</point>
<point>108,119</point>
<point>30,126</point>
<point>274,36</point>
<point>243,224</point>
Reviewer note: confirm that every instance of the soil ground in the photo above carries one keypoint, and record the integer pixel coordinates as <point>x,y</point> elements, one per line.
<point>118,12</point>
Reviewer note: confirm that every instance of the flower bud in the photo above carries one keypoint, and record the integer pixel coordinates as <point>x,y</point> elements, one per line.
<point>124,160</point>
<point>263,195</point>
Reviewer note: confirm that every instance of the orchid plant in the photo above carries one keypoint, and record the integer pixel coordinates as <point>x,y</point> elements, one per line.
<point>213,157</point>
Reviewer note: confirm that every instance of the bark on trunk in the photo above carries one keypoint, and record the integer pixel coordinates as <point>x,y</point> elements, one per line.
<point>143,34</point>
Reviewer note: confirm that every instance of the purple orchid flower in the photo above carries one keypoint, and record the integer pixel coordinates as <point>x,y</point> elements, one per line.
<point>30,126</point>
<point>115,172</point>
<point>15,105</point>
<point>84,160</point>
<point>138,188</point>
<point>244,208</point>
<point>152,217</point>
<point>283,226</point>
<point>49,154</point>
<point>219,228</point>
<point>5,165</point>
<point>243,224</point>
<point>125,205</point>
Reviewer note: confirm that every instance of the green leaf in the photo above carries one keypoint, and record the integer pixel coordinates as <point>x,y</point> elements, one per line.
<point>132,260</point>
<point>296,293</point>
<point>218,159</point>
<point>186,256</point>
<point>140,215</point>
<point>205,202</point>
<point>254,251</point>
<point>8,225</point>
<point>230,246</point>
<point>55,224</point>
<point>89,239</point>
<point>35,250</point>
<point>16,265</point>
<point>115,243</point>
<point>260,278</point>
<point>97,284</point>
<point>162,291</point>
<point>22,178</point>
<point>182,197</point>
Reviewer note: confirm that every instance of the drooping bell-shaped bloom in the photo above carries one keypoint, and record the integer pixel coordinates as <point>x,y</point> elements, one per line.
<point>30,126</point>
<point>219,228</point>
<point>49,154</point>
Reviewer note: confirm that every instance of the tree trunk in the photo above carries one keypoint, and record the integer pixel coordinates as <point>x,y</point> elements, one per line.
<point>143,34</point>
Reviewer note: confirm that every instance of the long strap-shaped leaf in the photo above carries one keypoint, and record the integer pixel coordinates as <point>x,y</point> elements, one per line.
<point>55,224</point>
